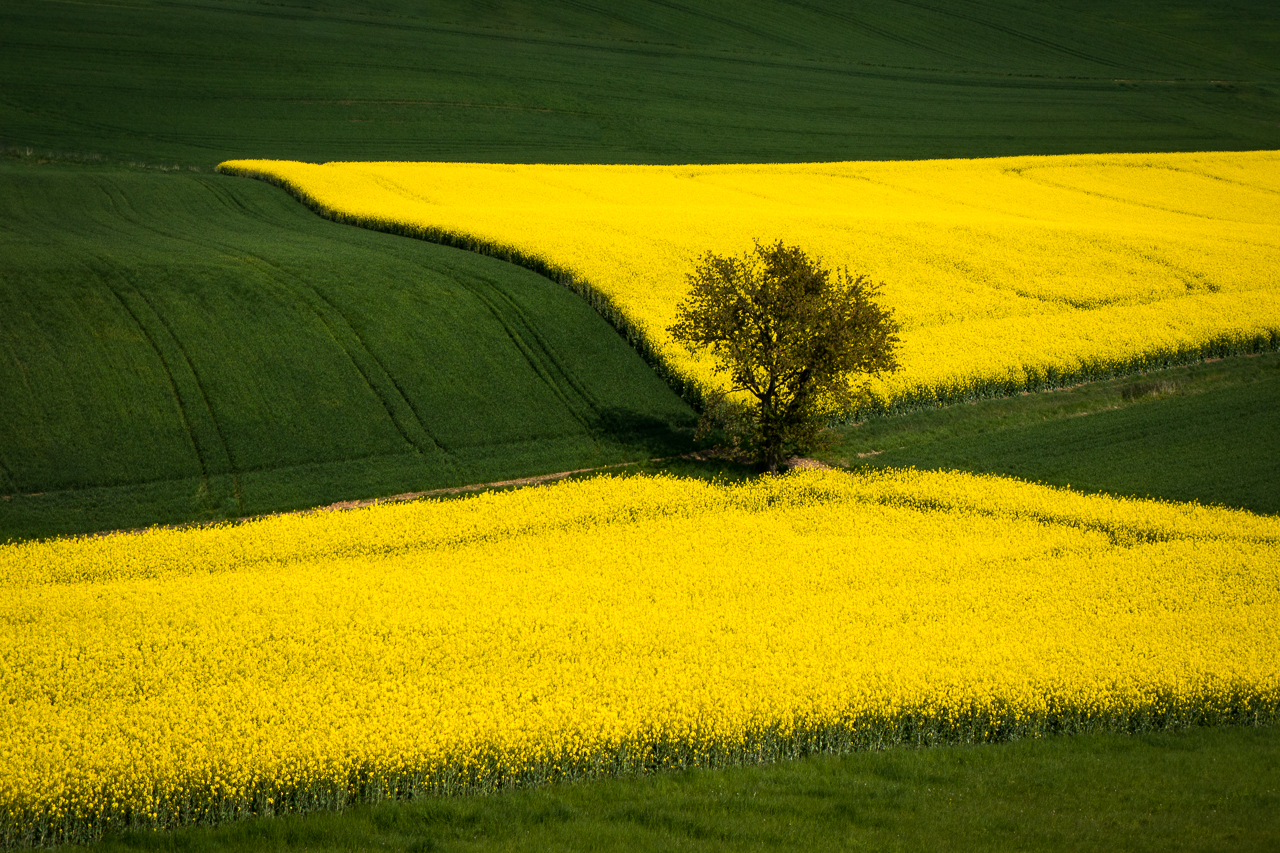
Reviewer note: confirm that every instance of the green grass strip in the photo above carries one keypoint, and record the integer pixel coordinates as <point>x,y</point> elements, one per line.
<point>1208,432</point>
<point>1202,789</point>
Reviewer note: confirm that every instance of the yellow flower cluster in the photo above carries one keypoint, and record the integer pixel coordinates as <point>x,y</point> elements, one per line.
<point>1006,273</point>
<point>610,625</point>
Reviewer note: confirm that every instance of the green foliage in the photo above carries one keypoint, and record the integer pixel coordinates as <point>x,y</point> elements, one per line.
<point>1192,790</point>
<point>799,341</point>
<point>192,84</point>
<point>194,346</point>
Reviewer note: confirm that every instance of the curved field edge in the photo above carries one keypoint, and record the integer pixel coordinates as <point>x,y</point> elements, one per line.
<point>194,347</point>
<point>686,379</point>
<point>601,302</point>
<point>1181,599</point>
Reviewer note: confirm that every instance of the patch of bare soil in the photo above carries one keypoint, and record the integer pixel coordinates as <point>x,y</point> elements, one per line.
<point>806,462</point>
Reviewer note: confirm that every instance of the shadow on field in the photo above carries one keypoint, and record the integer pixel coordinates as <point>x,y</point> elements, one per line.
<point>643,432</point>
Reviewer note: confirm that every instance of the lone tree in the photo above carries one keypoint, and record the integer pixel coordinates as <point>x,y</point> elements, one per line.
<point>799,340</point>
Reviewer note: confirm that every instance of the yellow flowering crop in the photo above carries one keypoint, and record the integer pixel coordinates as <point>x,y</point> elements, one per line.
<point>1005,273</point>
<point>608,625</point>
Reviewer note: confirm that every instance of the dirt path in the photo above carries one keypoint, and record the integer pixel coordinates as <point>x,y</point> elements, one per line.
<point>477,487</point>
<point>795,462</point>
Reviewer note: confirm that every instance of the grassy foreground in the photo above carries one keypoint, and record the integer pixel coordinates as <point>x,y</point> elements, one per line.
<point>1194,790</point>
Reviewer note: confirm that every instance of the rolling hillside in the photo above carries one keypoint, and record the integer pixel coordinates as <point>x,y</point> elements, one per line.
<point>180,345</point>
<point>175,349</point>
<point>638,82</point>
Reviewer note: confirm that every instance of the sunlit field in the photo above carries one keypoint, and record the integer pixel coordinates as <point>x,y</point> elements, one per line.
<point>691,656</point>
<point>1006,274</point>
<point>605,626</point>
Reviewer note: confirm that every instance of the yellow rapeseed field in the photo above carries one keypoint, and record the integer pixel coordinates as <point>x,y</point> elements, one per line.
<point>607,625</point>
<point>1006,273</point>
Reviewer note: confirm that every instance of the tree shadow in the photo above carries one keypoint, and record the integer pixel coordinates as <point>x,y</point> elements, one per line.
<point>645,432</point>
<point>667,446</point>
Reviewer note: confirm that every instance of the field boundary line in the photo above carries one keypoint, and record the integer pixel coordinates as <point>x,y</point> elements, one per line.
<point>700,456</point>
<point>364,503</point>
<point>536,480</point>
<point>602,303</point>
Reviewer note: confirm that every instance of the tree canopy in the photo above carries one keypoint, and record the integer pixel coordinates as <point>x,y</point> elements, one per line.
<point>800,340</point>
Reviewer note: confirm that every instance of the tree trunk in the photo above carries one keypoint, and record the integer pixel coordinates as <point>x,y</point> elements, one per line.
<point>770,434</point>
<point>772,455</point>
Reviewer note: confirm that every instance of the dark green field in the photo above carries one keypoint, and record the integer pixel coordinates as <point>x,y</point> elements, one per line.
<point>1207,432</point>
<point>643,81</point>
<point>180,345</point>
